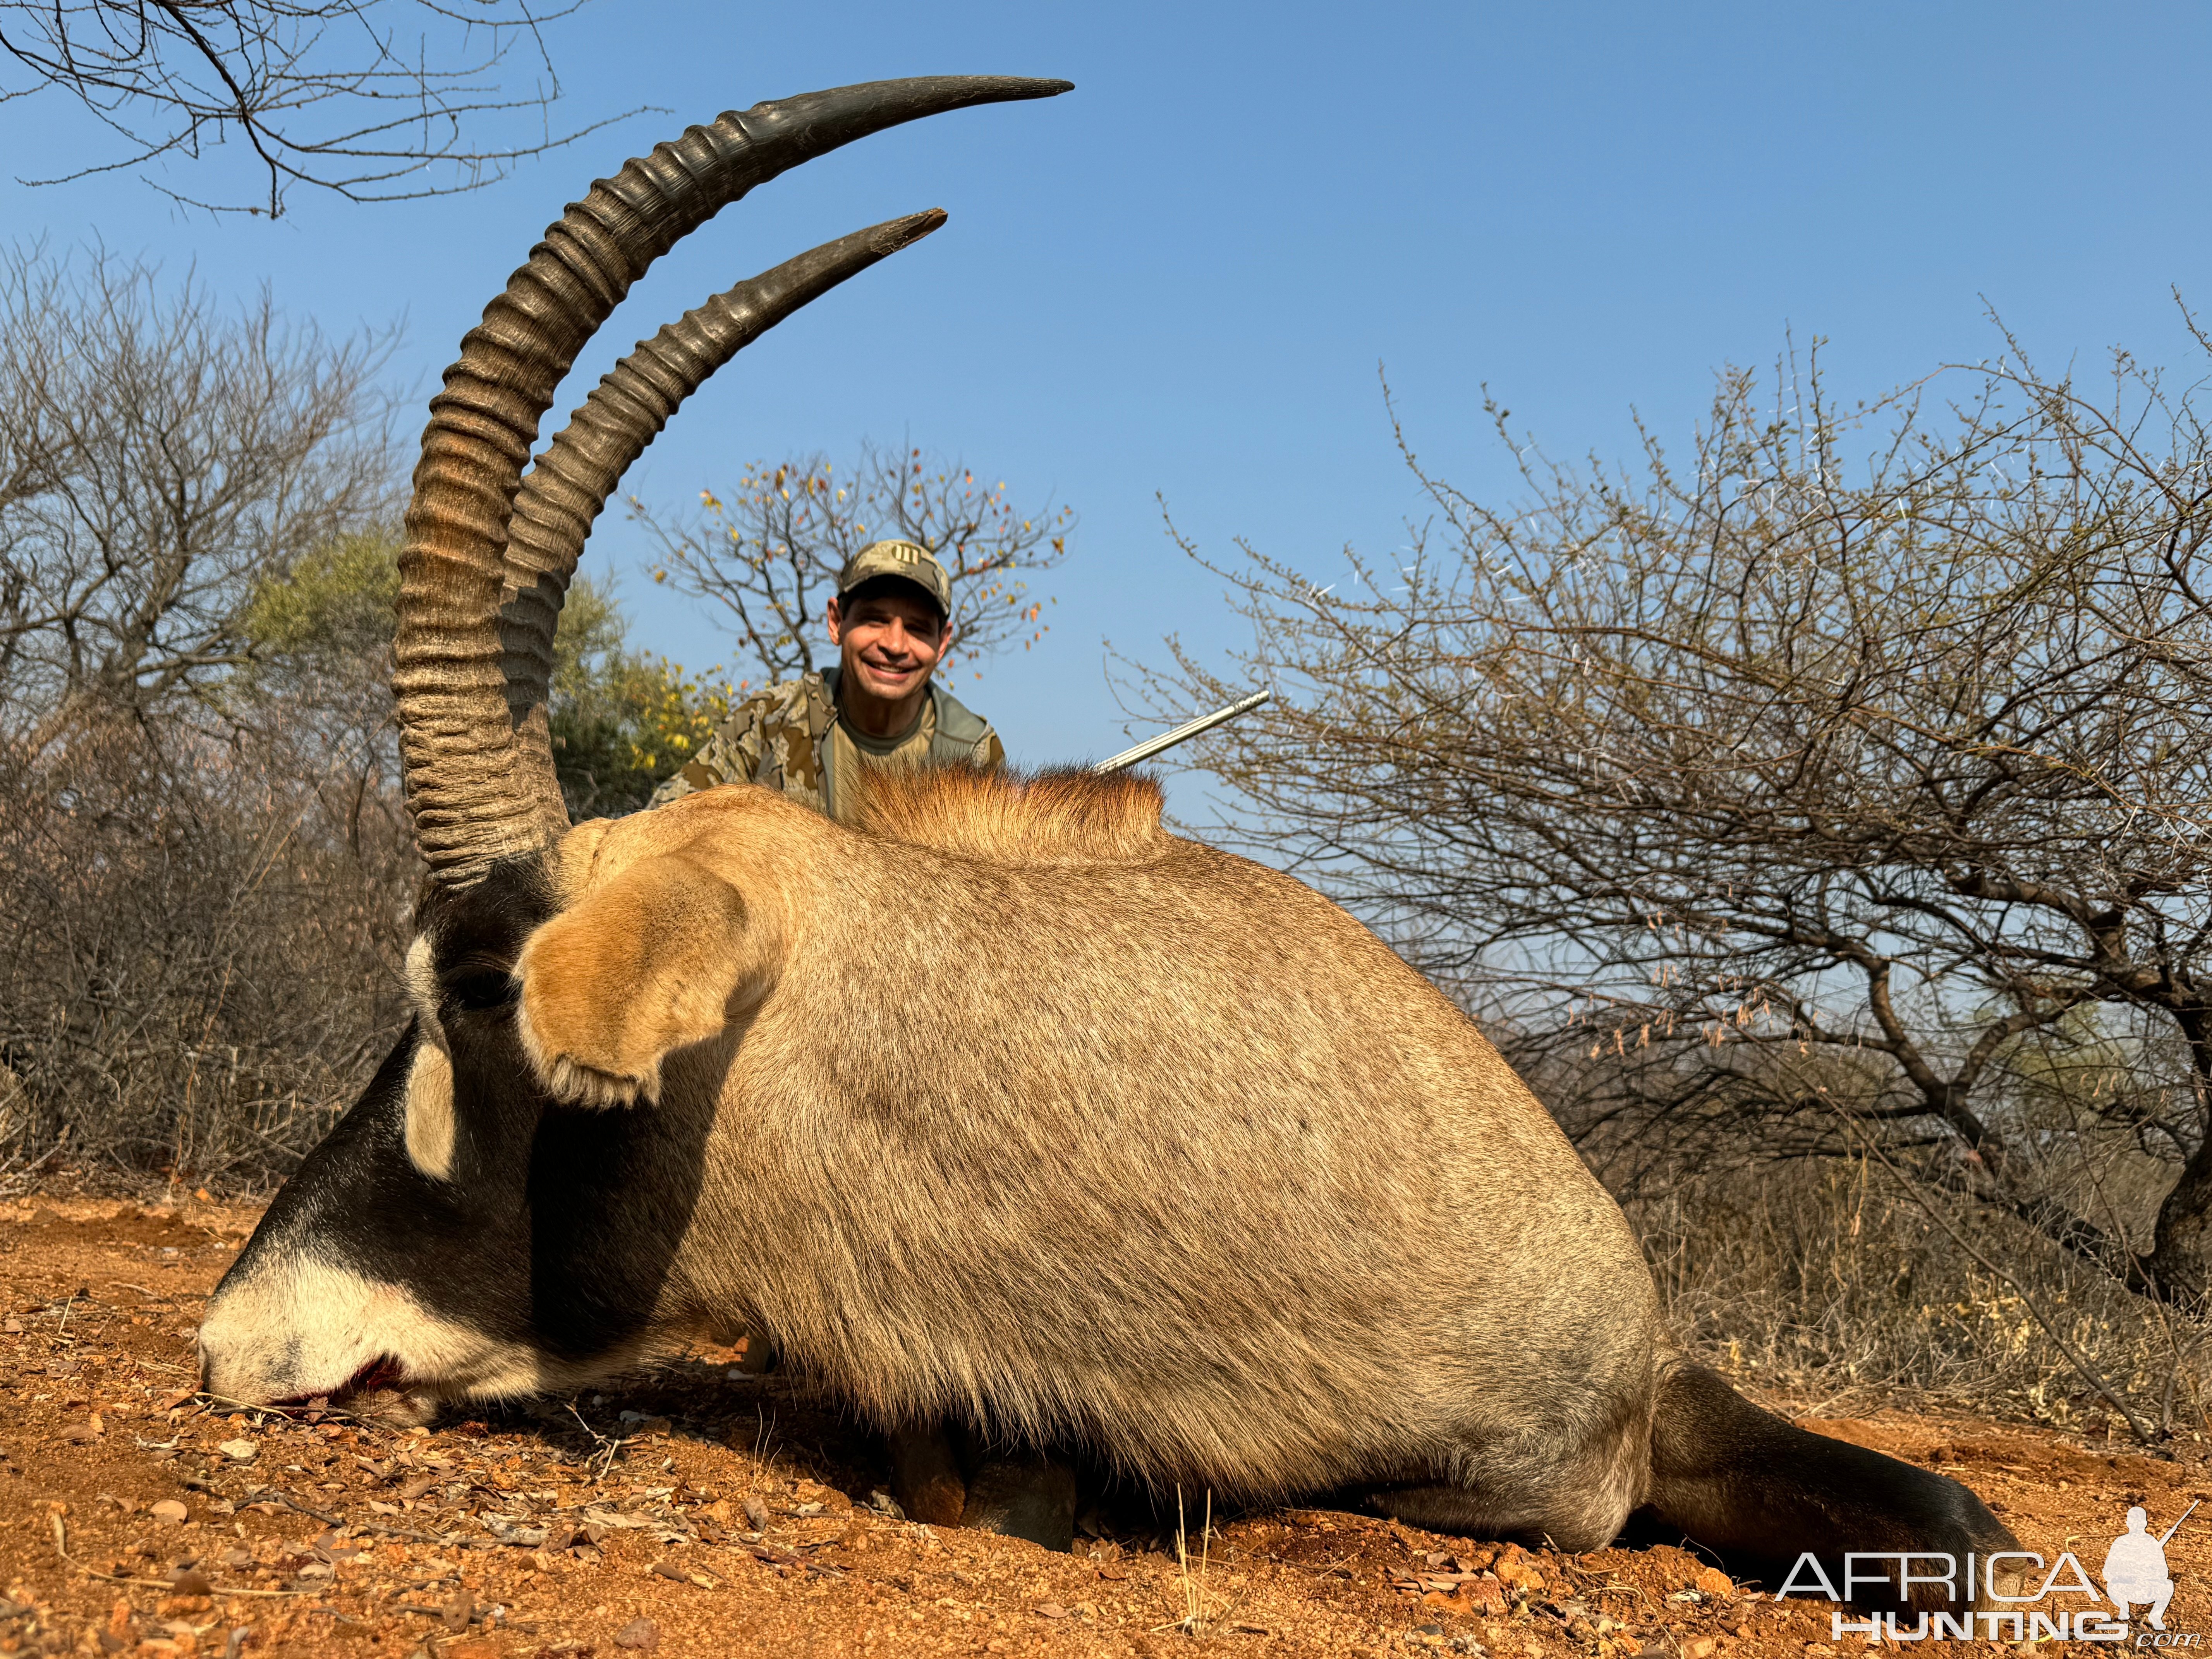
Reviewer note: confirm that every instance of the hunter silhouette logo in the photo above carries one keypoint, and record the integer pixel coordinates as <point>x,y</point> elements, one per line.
<point>1983,1599</point>
<point>2135,1567</point>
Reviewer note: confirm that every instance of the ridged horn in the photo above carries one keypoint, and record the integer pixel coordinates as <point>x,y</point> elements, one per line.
<point>476,794</point>
<point>567,487</point>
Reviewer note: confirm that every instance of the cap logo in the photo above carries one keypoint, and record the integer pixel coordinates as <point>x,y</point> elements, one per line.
<point>904,560</point>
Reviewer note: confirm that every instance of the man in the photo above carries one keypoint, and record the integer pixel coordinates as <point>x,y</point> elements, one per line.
<point>811,736</point>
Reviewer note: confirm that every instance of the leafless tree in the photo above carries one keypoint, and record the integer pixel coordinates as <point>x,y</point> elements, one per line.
<point>1839,785</point>
<point>339,94</point>
<point>768,554</point>
<point>159,457</point>
<point>204,860</point>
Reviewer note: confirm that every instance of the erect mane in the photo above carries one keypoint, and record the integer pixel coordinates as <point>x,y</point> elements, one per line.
<point>1043,817</point>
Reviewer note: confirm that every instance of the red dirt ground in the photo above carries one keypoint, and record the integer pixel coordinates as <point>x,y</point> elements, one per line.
<point>731,1519</point>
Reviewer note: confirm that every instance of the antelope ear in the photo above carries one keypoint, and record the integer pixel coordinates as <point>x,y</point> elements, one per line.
<point>648,961</point>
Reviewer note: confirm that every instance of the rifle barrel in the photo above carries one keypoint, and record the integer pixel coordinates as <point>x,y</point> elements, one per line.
<point>1188,729</point>
<point>2176,1527</point>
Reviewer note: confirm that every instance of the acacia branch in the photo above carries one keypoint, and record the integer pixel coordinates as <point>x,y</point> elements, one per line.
<point>291,77</point>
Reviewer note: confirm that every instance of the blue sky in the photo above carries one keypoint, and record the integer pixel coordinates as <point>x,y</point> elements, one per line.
<point>1179,279</point>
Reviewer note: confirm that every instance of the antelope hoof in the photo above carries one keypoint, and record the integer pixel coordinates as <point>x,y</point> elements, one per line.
<point>925,1476</point>
<point>1029,1495</point>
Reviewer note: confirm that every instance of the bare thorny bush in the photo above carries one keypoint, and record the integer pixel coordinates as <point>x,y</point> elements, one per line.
<point>1830,794</point>
<point>202,866</point>
<point>200,940</point>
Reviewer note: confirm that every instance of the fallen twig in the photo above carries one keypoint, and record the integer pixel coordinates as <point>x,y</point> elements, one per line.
<point>61,1549</point>
<point>609,1448</point>
<point>271,1495</point>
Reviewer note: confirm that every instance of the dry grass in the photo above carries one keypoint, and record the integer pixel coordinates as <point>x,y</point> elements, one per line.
<point>1195,1588</point>
<point>1831,1283</point>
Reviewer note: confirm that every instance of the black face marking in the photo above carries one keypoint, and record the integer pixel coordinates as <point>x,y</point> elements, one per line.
<point>557,1226</point>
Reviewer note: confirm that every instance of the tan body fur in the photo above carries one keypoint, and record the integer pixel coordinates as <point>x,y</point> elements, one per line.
<point>1025,1111</point>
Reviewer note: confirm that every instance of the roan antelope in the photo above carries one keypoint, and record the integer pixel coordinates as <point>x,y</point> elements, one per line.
<point>1181,1167</point>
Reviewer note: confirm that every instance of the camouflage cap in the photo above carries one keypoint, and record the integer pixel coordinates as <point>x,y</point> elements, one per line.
<point>908,560</point>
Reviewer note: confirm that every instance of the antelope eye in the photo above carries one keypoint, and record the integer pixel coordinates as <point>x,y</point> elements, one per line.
<point>477,989</point>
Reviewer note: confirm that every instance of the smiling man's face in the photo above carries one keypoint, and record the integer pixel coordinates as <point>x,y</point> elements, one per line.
<point>891,639</point>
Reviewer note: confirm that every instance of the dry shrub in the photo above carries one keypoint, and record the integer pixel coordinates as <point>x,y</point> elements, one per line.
<point>1828,1281</point>
<point>199,940</point>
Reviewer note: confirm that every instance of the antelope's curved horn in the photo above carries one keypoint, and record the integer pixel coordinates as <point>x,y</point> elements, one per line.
<point>568,485</point>
<point>476,794</point>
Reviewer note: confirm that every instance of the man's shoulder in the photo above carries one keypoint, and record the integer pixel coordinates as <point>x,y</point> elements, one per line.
<point>807,700</point>
<point>786,694</point>
<point>957,721</point>
<point>964,737</point>
<point>768,737</point>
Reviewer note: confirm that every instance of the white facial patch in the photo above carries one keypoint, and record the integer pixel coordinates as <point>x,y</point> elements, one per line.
<point>421,975</point>
<point>430,1113</point>
<point>304,1326</point>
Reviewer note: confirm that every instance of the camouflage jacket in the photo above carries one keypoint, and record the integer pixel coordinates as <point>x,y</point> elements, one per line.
<point>779,737</point>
